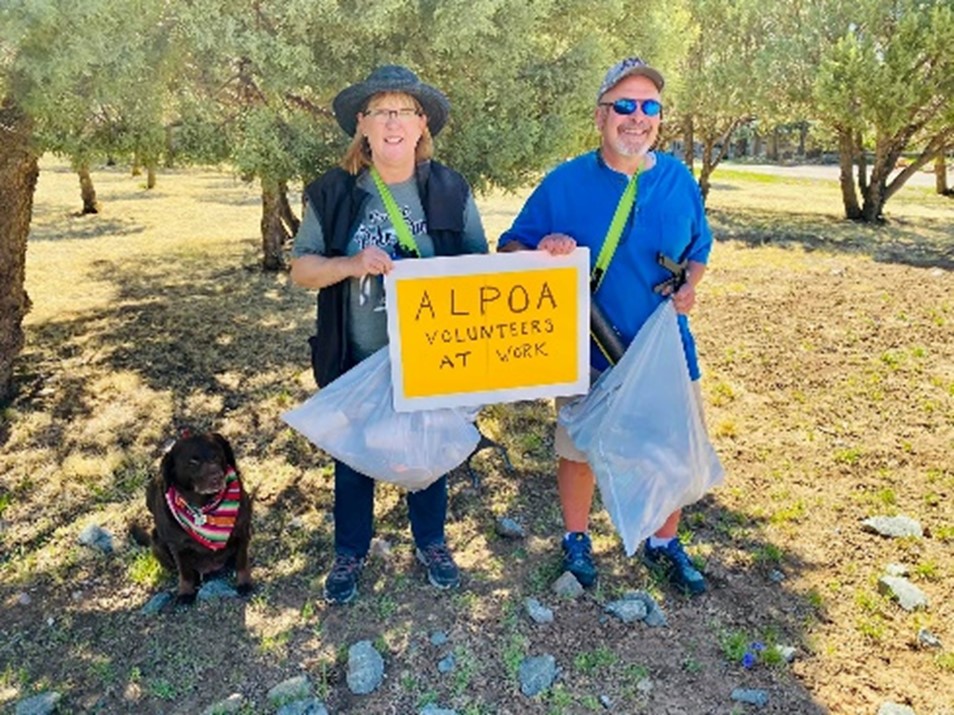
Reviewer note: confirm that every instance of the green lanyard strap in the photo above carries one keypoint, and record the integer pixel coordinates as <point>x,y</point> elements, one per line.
<point>625,205</point>
<point>405,239</point>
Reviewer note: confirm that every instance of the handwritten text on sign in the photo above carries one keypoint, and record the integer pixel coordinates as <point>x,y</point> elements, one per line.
<point>471,330</point>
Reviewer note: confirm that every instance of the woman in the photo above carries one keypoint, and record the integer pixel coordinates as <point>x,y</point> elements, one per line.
<point>387,200</point>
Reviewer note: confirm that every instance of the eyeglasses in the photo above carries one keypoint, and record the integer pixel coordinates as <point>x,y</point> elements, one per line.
<point>383,115</point>
<point>624,106</point>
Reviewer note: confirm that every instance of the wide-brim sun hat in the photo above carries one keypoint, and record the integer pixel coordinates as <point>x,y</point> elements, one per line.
<point>627,68</point>
<point>390,78</point>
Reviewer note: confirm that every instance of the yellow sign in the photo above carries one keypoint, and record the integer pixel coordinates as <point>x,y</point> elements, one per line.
<point>470,330</point>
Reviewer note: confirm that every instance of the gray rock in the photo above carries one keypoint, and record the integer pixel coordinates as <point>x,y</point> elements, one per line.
<point>645,686</point>
<point>308,706</point>
<point>42,704</point>
<point>438,638</point>
<point>446,664</point>
<point>156,603</point>
<point>538,612</point>
<point>509,529</point>
<point>567,586</point>
<point>297,688</point>
<point>893,526</point>
<point>627,610</point>
<point>776,576</point>
<point>896,570</point>
<point>909,596</point>
<point>23,598</point>
<point>536,674</point>
<point>365,668</point>
<point>232,704</point>
<point>96,537</point>
<point>926,639</point>
<point>655,618</point>
<point>889,708</point>
<point>606,701</point>
<point>758,698</point>
<point>217,588</point>
<point>432,709</point>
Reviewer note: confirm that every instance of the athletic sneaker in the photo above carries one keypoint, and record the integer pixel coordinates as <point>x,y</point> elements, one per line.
<point>578,557</point>
<point>341,585</point>
<point>442,572</point>
<point>672,557</point>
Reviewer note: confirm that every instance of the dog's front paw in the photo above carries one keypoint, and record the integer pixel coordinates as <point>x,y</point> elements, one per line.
<point>245,589</point>
<point>184,600</point>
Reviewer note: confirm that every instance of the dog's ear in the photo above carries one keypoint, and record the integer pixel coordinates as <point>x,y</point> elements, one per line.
<point>227,448</point>
<point>167,467</point>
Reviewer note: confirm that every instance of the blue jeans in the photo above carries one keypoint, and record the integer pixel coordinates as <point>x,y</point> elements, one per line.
<point>354,512</point>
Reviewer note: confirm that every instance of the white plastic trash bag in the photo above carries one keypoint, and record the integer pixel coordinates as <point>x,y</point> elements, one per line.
<point>642,433</point>
<point>353,419</point>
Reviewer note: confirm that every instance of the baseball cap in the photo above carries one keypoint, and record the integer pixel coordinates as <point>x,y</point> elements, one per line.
<point>625,68</point>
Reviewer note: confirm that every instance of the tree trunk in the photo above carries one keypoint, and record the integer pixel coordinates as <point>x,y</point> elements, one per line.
<point>846,162</point>
<point>274,234</point>
<point>689,139</point>
<point>136,169</point>
<point>940,175</point>
<point>288,216</point>
<point>151,175</point>
<point>18,174</point>
<point>87,190</point>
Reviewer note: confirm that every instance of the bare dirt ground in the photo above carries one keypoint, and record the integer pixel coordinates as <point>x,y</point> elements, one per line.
<point>828,358</point>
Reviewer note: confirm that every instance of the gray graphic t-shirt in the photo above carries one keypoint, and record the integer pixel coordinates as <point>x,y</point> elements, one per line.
<point>367,329</point>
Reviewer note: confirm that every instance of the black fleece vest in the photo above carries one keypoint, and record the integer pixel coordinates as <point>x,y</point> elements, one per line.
<point>337,201</point>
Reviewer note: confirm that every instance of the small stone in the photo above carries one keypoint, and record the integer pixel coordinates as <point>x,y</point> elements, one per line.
<point>908,596</point>
<point>606,701</point>
<point>438,638</point>
<point>365,668</point>
<point>896,570</point>
<point>296,522</point>
<point>776,576</point>
<point>432,709</point>
<point>627,610</point>
<point>655,618</point>
<point>926,639</point>
<point>509,529</point>
<point>23,598</point>
<point>232,704</point>
<point>890,708</point>
<point>645,686</point>
<point>446,664</point>
<point>536,674</point>
<point>758,698</point>
<point>95,537</point>
<point>42,704</point>
<point>380,548</point>
<point>297,688</point>
<point>567,586</point>
<point>538,612</point>
<point>893,526</point>
<point>155,604</point>
<point>308,706</point>
<point>216,589</point>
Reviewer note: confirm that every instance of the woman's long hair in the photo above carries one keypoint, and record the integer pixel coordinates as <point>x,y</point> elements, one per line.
<point>358,155</point>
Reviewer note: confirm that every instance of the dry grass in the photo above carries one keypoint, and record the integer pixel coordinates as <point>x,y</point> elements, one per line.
<point>829,377</point>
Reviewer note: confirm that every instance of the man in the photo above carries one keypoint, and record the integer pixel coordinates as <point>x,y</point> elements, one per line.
<point>575,206</point>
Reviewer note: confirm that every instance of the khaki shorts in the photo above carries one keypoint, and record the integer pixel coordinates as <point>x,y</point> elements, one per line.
<point>563,445</point>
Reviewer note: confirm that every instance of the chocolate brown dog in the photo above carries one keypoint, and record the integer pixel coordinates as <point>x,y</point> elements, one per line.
<point>202,514</point>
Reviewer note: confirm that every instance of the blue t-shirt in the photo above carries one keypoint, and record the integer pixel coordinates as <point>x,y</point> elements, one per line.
<point>579,198</point>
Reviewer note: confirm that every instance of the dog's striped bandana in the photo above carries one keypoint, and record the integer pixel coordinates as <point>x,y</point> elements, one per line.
<point>211,525</point>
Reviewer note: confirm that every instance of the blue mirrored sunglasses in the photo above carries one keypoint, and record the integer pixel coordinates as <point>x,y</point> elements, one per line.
<point>624,106</point>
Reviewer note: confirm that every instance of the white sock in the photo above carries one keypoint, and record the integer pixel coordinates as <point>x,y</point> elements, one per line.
<point>567,534</point>
<point>657,543</point>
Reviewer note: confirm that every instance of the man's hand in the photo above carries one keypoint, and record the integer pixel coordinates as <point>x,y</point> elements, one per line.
<point>557,244</point>
<point>684,298</point>
<point>371,261</point>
